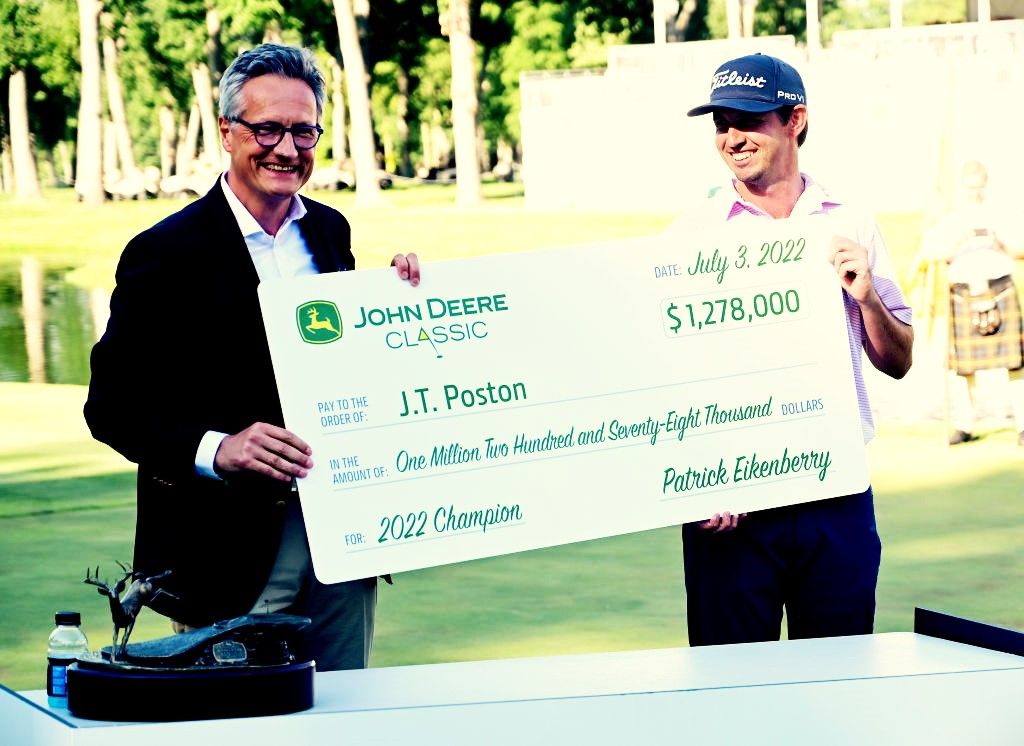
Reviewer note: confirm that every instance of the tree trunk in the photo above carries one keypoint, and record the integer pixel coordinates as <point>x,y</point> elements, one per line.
<point>896,14</point>
<point>6,166</point>
<point>115,101</point>
<point>464,104</point>
<point>387,145</point>
<point>67,172</point>
<point>361,11</point>
<point>440,146</point>
<point>89,169</point>
<point>187,143</point>
<point>111,174</point>
<point>503,169</point>
<point>402,112</point>
<point>813,24</point>
<point>483,154</point>
<point>32,305</point>
<point>168,139</point>
<point>26,179</point>
<point>427,146</point>
<point>207,118</point>
<point>360,119</point>
<point>732,18</point>
<point>679,24</point>
<point>339,138</point>
<point>747,8</point>
<point>272,33</point>
<point>213,48</point>
<point>660,17</point>
<point>49,167</point>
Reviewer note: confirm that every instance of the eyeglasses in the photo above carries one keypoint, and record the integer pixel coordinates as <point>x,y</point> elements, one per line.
<point>269,134</point>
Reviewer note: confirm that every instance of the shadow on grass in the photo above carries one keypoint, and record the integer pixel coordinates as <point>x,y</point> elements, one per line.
<point>512,193</point>
<point>26,497</point>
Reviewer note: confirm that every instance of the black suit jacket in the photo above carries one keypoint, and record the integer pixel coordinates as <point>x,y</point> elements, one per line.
<point>184,353</point>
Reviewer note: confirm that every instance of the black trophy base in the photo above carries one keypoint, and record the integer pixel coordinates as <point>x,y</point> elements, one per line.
<point>110,692</point>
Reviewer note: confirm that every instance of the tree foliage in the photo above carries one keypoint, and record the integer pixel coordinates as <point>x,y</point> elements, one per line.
<point>406,53</point>
<point>875,14</point>
<point>41,38</point>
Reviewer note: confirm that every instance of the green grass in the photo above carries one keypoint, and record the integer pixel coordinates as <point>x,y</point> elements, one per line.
<point>423,219</point>
<point>48,462</point>
<point>952,523</point>
<point>951,519</point>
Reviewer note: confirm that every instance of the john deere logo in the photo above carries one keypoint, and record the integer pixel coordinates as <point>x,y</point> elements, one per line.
<point>319,322</point>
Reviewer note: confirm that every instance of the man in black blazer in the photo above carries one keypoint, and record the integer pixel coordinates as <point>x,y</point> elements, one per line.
<point>182,382</point>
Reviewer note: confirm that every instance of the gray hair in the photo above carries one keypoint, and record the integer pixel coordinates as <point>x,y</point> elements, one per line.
<point>269,59</point>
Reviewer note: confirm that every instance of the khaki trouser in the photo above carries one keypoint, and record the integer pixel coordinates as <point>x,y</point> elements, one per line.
<point>342,614</point>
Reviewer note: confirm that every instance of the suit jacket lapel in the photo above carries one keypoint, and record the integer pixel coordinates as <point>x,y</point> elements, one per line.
<point>319,244</point>
<point>228,245</point>
<point>230,249</point>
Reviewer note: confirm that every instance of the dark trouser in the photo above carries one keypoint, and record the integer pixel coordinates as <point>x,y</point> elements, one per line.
<point>819,559</point>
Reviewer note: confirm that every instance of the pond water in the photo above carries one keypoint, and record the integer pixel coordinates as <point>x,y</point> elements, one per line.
<point>47,325</point>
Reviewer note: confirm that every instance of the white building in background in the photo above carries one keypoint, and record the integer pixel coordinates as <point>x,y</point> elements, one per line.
<point>893,112</point>
<point>998,10</point>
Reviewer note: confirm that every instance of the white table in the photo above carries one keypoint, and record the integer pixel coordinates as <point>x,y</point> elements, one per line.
<point>898,688</point>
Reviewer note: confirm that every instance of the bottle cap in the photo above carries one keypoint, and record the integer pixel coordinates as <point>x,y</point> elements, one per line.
<point>72,618</point>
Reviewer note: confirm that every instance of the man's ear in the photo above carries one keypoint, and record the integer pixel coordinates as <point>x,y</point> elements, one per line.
<point>798,120</point>
<point>224,125</point>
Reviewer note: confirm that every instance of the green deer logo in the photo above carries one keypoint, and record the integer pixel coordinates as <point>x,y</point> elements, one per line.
<point>319,322</point>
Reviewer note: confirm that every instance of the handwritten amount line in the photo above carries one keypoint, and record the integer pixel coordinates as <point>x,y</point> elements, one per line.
<point>568,454</point>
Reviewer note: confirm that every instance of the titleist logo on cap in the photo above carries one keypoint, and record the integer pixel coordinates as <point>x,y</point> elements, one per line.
<point>731,77</point>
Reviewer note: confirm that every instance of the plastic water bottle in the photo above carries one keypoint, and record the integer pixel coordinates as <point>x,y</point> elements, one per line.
<point>66,643</point>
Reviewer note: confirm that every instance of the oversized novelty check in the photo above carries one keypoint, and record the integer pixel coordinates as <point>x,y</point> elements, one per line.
<point>527,400</point>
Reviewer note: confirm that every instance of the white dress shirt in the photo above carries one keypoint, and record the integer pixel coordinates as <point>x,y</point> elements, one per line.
<point>274,257</point>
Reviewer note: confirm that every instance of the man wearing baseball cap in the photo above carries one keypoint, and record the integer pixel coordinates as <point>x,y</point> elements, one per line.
<point>818,560</point>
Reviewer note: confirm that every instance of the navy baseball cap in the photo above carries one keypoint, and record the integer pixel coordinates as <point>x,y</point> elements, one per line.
<point>754,83</point>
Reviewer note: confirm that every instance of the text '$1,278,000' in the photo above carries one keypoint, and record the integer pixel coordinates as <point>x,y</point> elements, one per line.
<point>699,315</point>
